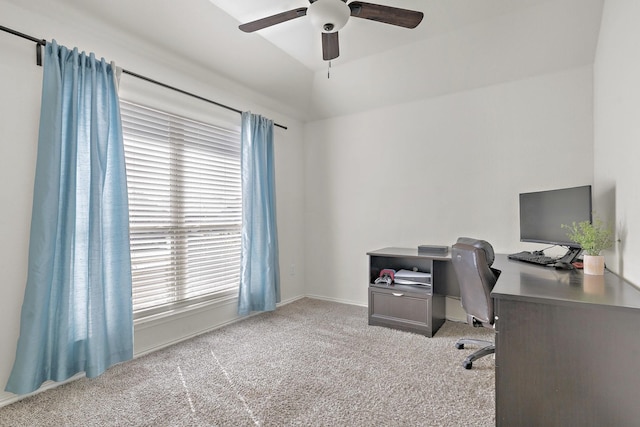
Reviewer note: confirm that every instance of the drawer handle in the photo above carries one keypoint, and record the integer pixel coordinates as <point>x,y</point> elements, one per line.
<point>397,294</point>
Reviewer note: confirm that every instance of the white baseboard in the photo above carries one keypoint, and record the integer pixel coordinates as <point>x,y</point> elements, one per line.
<point>9,398</point>
<point>339,300</point>
<point>454,310</point>
<point>453,307</point>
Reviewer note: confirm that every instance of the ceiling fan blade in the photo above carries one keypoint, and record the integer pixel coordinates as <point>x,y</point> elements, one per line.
<point>259,24</point>
<point>386,14</point>
<point>330,46</point>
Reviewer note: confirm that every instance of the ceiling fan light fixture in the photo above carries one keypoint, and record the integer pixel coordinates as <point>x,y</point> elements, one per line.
<point>329,16</point>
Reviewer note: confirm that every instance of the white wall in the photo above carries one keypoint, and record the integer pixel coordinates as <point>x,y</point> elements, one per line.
<point>431,171</point>
<point>20,87</point>
<point>617,131</point>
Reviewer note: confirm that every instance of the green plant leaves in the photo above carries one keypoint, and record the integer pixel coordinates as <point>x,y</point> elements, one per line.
<point>593,237</point>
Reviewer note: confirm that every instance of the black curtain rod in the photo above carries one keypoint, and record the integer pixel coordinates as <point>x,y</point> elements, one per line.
<point>131,73</point>
<point>41,42</point>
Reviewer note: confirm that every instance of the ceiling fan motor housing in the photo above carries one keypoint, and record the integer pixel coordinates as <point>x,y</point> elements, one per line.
<point>329,16</point>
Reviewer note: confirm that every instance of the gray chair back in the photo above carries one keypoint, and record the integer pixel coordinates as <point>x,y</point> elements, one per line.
<point>472,259</point>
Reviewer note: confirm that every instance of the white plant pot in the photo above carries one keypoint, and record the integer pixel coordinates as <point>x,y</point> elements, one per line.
<point>593,264</point>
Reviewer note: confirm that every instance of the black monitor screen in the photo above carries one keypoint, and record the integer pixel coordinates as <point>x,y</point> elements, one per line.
<point>542,214</point>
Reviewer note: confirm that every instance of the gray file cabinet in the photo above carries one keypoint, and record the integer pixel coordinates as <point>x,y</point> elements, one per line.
<point>413,308</point>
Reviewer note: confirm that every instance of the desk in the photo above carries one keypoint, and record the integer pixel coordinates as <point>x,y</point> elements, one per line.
<point>567,347</point>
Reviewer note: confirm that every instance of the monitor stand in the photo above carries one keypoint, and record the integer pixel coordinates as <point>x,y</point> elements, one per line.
<point>570,256</point>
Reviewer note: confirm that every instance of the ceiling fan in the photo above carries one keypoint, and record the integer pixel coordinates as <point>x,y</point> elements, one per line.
<point>329,16</point>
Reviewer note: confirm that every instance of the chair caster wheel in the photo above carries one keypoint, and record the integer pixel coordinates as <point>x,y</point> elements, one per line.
<point>459,345</point>
<point>467,365</point>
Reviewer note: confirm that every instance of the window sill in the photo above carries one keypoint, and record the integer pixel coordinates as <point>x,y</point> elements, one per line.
<point>186,309</point>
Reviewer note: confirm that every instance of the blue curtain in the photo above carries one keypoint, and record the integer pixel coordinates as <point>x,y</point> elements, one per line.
<point>77,309</point>
<point>260,274</point>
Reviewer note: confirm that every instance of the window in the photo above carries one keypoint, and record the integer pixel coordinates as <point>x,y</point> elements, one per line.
<point>185,208</point>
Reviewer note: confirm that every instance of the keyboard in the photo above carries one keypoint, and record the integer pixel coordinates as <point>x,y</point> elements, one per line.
<point>533,258</point>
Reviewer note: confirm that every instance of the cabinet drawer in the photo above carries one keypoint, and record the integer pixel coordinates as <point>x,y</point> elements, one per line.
<point>398,306</point>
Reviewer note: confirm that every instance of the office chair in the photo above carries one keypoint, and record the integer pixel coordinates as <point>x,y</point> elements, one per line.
<point>472,259</point>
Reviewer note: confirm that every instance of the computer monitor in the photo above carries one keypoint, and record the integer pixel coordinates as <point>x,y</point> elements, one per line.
<point>542,214</point>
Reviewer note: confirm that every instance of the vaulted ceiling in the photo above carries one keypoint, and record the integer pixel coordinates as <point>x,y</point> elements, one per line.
<point>460,45</point>
<point>361,38</point>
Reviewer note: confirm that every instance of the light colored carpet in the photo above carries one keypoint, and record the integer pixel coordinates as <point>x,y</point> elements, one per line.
<point>310,363</point>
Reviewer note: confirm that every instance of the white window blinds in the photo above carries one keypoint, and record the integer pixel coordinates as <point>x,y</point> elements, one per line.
<point>185,208</point>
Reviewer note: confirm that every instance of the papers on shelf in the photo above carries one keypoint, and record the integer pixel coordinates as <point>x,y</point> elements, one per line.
<point>408,277</point>
<point>409,282</point>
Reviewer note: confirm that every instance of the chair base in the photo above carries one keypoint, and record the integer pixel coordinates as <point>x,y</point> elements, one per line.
<point>487,347</point>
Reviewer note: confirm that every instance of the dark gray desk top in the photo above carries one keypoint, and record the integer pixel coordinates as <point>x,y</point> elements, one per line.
<point>534,283</point>
<point>407,252</point>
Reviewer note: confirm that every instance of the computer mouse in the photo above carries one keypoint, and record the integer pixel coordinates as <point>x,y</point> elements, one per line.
<point>563,266</point>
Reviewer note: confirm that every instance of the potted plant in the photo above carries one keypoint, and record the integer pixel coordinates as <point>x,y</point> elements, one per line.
<point>593,237</point>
